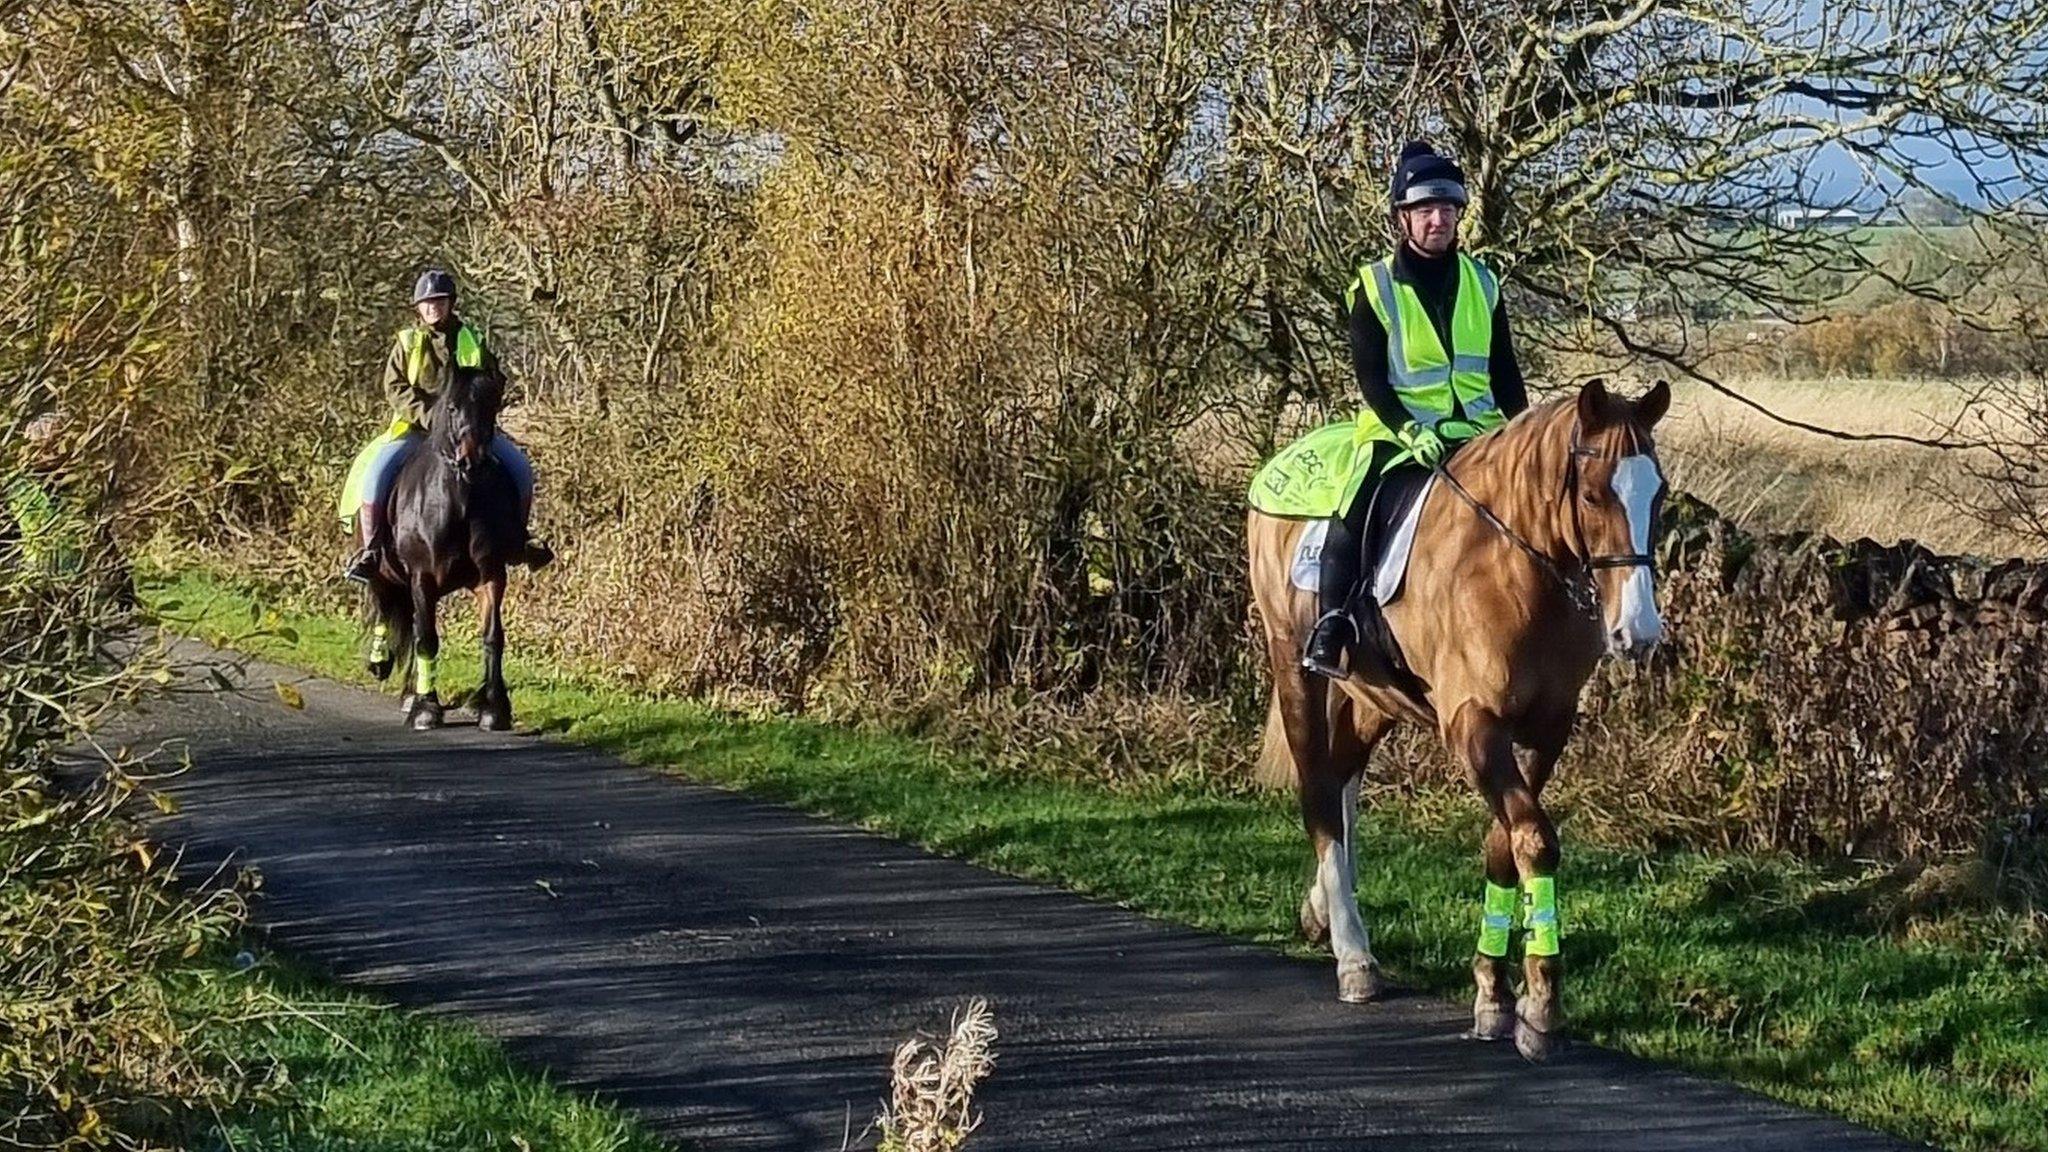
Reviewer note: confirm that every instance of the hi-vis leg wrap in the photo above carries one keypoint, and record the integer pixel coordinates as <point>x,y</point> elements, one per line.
<point>380,642</point>
<point>1497,919</point>
<point>423,674</point>
<point>1541,901</point>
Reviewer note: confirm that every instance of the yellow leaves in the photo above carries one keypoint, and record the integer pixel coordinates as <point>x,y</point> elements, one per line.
<point>144,854</point>
<point>290,696</point>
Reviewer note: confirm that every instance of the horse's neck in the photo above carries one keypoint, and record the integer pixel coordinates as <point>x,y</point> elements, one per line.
<point>1519,474</point>
<point>435,463</point>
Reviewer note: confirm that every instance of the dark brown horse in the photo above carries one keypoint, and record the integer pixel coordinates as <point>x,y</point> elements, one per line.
<point>1531,560</point>
<point>456,523</point>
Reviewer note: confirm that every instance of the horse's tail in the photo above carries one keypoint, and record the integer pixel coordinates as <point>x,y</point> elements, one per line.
<point>1276,763</point>
<point>389,606</point>
<point>1269,545</point>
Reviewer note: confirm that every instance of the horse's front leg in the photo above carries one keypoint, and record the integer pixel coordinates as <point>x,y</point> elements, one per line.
<point>493,701</point>
<point>425,712</point>
<point>1493,1001</point>
<point>1521,851</point>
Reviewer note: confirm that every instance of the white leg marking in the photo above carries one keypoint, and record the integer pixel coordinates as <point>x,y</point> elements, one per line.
<point>1347,928</point>
<point>1339,878</point>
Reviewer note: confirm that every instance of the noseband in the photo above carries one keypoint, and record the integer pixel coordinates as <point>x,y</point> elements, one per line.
<point>1578,586</point>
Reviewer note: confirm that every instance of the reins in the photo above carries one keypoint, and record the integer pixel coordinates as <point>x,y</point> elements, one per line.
<point>1578,587</point>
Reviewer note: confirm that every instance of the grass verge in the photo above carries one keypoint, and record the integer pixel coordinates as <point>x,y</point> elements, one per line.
<point>344,1073</point>
<point>1899,1000</point>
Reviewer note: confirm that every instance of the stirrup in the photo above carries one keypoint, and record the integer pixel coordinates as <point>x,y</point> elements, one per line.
<point>362,567</point>
<point>1326,663</point>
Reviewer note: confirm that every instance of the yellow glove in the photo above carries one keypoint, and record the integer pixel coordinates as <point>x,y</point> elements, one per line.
<point>1423,444</point>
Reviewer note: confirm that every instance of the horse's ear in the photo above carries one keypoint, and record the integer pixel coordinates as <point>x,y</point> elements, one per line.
<point>1593,405</point>
<point>1652,405</point>
<point>487,382</point>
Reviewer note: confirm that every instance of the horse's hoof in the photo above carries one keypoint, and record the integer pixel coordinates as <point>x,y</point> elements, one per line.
<point>498,719</point>
<point>405,702</point>
<point>1360,985</point>
<point>426,714</point>
<point>1536,1045</point>
<point>1539,1034</point>
<point>1315,927</point>
<point>1490,1023</point>
<point>380,669</point>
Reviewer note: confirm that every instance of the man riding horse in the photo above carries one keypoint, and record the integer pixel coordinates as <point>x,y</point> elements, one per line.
<point>422,361</point>
<point>1430,343</point>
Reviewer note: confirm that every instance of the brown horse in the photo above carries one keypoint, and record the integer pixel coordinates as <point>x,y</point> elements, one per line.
<point>1531,559</point>
<point>456,524</point>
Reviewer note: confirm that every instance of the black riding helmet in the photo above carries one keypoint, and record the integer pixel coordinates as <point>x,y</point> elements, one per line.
<point>1423,177</point>
<point>433,284</point>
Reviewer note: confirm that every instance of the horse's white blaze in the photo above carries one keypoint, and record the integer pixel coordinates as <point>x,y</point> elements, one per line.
<point>1636,484</point>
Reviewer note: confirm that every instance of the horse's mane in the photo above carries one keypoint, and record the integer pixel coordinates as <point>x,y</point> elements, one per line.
<point>1537,444</point>
<point>1534,445</point>
<point>464,385</point>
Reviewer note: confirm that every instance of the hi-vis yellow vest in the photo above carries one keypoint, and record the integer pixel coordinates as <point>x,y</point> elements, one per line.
<point>469,351</point>
<point>1432,381</point>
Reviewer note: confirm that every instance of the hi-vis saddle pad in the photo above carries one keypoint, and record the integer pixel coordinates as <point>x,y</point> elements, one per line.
<point>1390,535</point>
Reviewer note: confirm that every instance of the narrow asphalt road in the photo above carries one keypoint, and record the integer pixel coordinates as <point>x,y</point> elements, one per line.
<point>738,973</point>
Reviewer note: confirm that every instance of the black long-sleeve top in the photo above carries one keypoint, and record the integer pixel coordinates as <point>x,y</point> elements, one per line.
<point>1435,280</point>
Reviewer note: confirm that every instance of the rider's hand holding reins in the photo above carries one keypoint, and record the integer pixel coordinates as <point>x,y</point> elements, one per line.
<point>1423,443</point>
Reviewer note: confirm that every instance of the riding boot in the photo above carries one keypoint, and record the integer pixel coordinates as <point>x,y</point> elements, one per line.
<point>535,554</point>
<point>1335,630</point>
<point>1324,653</point>
<point>364,565</point>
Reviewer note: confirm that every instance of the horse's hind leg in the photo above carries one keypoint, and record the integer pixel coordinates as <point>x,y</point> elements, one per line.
<point>493,702</point>
<point>425,712</point>
<point>1328,775</point>
<point>1298,710</point>
<point>1355,731</point>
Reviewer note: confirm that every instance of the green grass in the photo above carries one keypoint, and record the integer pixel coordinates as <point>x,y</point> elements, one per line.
<point>1816,986</point>
<point>343,1073</point>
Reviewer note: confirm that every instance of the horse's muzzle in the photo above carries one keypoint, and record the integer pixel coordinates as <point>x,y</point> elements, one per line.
<point>1637,626</point>
<point>1629,644</point>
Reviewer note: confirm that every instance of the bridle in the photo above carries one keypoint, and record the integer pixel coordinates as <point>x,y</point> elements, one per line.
<point>446,444</point>
<point>1578,586</point>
